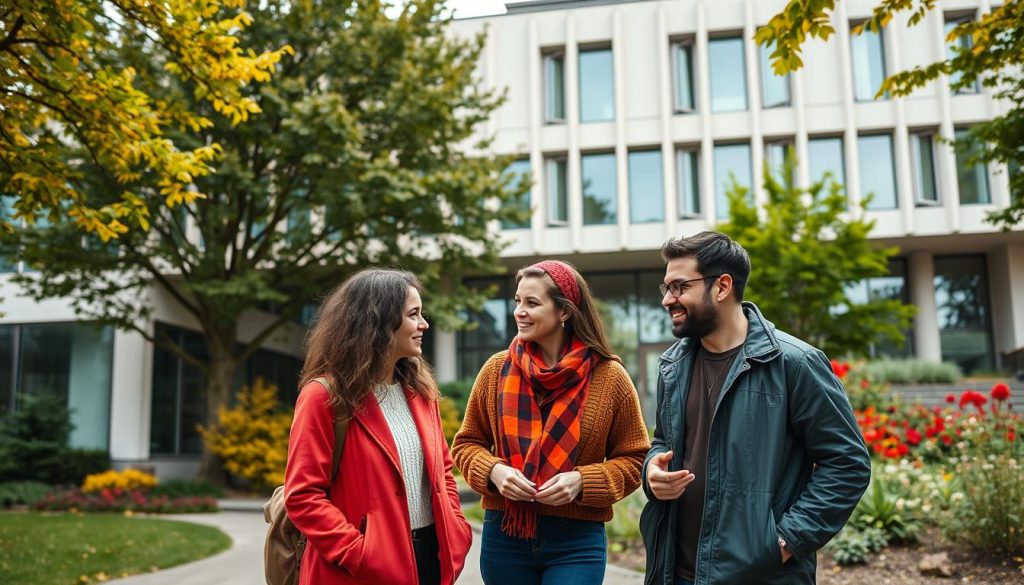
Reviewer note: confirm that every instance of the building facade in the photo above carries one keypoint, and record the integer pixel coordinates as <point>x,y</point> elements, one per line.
<point>631,117</point>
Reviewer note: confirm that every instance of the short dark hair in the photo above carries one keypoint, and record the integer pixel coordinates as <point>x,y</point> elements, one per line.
<point>716,254</point>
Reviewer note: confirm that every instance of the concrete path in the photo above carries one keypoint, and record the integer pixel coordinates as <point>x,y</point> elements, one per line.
<point>242,564</point>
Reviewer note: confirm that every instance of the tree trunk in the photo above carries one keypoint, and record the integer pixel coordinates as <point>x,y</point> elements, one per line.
<point>219,383</point>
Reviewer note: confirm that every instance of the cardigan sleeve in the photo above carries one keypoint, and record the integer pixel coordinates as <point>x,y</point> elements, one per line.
<point>474,445</point>
<point>307,481</point>
<point>627,444</point>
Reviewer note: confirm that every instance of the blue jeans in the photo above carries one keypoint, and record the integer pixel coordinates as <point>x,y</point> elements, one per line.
<point>564,552</point>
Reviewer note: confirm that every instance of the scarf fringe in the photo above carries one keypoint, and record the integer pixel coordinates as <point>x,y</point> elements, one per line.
<point>520,520</point>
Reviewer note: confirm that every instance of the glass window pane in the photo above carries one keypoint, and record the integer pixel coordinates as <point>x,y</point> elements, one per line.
<point>193,396</point>
<point>597,86</point>
<point>615,297</point>
<point>775,157</point>
<point>7,356</point>
<point>732,164</point>
<point>164,401</point>
<point>655,326</point>
<point>825,155</point>
<point>775,88</point>
<point>45,360</point>
<point>646,188</point>
<point>972,179</point>
<point>597,172</point>
<point>868,62</point>
<point>877,173</point>
<point>558,203</point>
<point>689,191</point>
<point>961,298</point>
<point>493,329</point>
<point>520,171</point>
<point>728,75</point>
<point>923,149</point>
<point>554,84</point>
<point>961,44</point>
<point>682,59</point>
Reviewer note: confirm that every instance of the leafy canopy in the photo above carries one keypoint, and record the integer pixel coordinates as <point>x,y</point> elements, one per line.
<point>804,254</point>
<point>993,58</point>
<point>68,102</point>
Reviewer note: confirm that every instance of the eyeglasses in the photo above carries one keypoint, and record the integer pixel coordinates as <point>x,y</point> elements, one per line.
<point>678,287</point>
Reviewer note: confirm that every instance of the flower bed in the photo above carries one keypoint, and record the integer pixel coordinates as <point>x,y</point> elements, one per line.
<point>122,500</point>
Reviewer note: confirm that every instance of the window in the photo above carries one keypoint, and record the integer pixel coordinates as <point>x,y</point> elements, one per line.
<point>682,69</point>
<point>728,75</point>
<point>554,87</point>
<point>179,395</point>
<point>962,304</point>
<point>774,88</point>
<point>494,326</point>
<point>646,188</point>
<point>775,153</point>
<point>558,196</point>
<point>71,361</point>
<point>600,204</point>
<point>881,288</point>
<point>972,178</point>
<point>825,155</point>
<point>520,171</point>
<point>597,86</point>
<point>922,148</point>
<point>732,169</point>
<point>867,58</point>
<point>877,172</point>
<point>959,45</point>
<point>687,182</point>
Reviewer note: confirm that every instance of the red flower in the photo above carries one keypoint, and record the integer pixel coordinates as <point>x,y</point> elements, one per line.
<point>1011,435</point>
<point>840,368</point>
<point>913,436</point>
<point>1000,392</point>
<point>902,449</point>
<point>950,398</point>
<point>971,397</point>
<point>865,384</point>
<point>946,439</point>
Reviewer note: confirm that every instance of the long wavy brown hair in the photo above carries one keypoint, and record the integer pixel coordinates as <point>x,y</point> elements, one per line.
<point>583,322</point>
<point>354,332</point>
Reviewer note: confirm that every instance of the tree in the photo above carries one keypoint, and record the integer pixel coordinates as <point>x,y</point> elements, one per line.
<point>66,102</point>
<point>993,57</point>
<point>804,255</point>
<point>359,157</point>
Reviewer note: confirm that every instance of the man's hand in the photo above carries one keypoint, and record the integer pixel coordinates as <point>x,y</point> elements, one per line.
<point>512,484</point>
<point>664,484</point>
<point>561,489</point>
<point>786,555</point>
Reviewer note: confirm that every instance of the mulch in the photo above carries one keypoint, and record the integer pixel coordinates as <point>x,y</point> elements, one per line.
<point>895,565</point>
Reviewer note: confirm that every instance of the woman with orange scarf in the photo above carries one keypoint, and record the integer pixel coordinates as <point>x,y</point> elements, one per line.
<point>552,437</point>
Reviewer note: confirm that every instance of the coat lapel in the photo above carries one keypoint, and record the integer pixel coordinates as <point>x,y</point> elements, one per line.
<point>371,417</point>
<point>423,416</point>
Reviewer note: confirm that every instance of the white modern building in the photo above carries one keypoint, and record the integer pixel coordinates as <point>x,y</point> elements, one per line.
<point>630,116</point>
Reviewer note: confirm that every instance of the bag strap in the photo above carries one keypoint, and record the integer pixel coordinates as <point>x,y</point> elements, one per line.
<point>340,430</point>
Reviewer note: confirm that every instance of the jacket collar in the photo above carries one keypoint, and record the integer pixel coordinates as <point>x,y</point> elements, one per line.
<point>761,345</point>
<point>371,417</point>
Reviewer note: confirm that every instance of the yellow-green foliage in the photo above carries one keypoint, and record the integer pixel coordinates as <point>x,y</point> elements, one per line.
<point>252,436</point>
<point>129,479</point>
<point>450,418</point>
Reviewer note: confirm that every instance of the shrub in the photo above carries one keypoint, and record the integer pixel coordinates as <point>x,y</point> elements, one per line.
<point>187,488</point>
<point>458,391</point>
<point>34,444</point>
<point>252,436</point>
<point>910,371</point>
<point>989,512</point>
<point>129,479</point>
<point>451,419</point>
<point>853,545</point>
<point>882,508</point>
<point>120,500</point>
<point>22,493</point>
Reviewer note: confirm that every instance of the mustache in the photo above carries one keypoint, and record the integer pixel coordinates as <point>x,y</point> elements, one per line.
<point>674,307</point>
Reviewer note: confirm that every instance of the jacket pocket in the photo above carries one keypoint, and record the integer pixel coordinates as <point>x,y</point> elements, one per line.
<point>377,561</point>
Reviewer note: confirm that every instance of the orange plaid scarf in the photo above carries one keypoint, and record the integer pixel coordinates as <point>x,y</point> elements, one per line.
<point>540,419</point>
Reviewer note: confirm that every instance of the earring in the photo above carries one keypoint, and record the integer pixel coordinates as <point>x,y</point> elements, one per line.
<point>563,324</point>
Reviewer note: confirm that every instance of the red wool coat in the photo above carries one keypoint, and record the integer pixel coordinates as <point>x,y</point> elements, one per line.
<point>358,530</point>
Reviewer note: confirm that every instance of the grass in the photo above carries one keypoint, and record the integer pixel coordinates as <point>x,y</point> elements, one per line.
<point>75,549</point>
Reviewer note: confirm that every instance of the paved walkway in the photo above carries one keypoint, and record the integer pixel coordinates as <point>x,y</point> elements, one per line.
<point>242,564</point>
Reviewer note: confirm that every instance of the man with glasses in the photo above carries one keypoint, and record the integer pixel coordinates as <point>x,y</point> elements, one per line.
<point>757,460</point>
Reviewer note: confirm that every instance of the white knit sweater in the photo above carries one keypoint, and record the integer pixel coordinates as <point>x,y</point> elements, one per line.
<point>410,453</point>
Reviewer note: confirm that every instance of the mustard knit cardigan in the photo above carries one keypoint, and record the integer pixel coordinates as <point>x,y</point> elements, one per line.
<point>613,441</point>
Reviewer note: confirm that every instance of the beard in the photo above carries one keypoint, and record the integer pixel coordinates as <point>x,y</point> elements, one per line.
<point>701,321</point>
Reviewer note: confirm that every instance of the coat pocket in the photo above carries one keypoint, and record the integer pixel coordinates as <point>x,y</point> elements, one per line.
<point>651,520</point>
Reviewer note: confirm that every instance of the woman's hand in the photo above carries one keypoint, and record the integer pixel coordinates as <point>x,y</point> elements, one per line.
<point>561,489</point>
<point>512,484</point>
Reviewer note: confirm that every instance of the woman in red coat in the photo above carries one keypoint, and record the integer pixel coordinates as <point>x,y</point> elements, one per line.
<point>391,514</point>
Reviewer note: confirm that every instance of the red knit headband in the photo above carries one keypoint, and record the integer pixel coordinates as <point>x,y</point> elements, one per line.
<point>563,277</point>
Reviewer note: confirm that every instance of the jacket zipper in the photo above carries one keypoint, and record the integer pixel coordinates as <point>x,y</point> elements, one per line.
<point>700,539</point>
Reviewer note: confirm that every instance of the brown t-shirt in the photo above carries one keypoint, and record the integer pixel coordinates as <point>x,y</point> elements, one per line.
<point>709,372</point>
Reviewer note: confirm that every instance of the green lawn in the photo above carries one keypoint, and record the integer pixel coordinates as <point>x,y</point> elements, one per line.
<point>66,549</point>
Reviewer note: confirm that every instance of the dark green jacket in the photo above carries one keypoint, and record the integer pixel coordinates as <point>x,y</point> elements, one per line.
<point>785,458</point>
